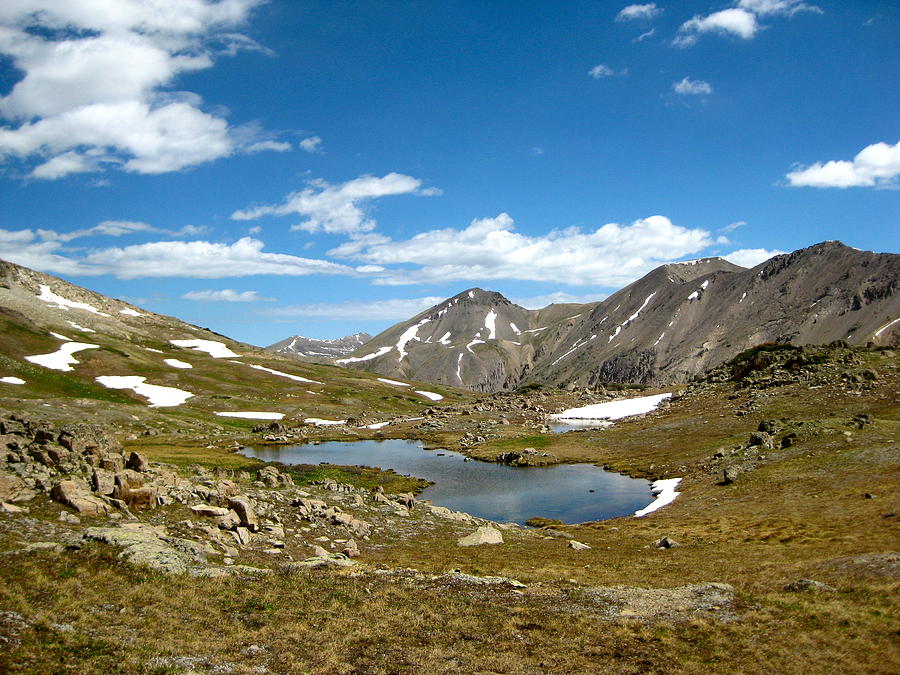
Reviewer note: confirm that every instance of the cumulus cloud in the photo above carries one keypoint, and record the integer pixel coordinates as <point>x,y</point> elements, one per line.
<point>740,20</point>
<point>394,309</point>
<point>689,87</point>
<point>161,259</point>
<point>490,248</point>
<point>733,21</point>
<point>639,12</point>
<point>599,71</point>
<point>313,144</point>
<point>751,257</point>
<point>225,295</point>
<point>341,208</point>
<point>93,93</point>
<point>876,165</point>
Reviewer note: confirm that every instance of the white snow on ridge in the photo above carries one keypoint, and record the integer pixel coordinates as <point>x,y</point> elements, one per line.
<point>61,359</point>
<point>151,349</point>
<point>632,317</point>
<point>374,355</point>
<point>408,335</point>
<point>430,395</point>
<point>217,350</point>
<point>658,339</point>
<point>445,340</point>
<point>704,284</point>
<point>514,328</point>
<point>886,326</point>
<point>280,374</point>
<point>12,380</point>
<point>253,415</point>
<point>323,423</point>
<point>393,382</point>
<point>744,296</point>
<point>159,397</point>
<point>471,294</point>
<point>459,367</point>
<point>694,295</point>
<point>614,410</point>
<point>664,489</point>
<point>490,322</point>
<point>60,302</point>
<point>175,363</point>
<point>130,312</point>
<point>60,337</point>
<point>472,343</point>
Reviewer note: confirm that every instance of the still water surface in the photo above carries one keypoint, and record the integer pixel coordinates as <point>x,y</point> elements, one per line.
<point>572,493</point>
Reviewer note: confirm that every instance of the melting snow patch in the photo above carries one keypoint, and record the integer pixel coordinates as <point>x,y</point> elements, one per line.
<point>280,374</point>
<point>217,350</point>
<point>886,326</point>
<point>694,295</point>
<point>459,367</point>
<point>490,322</point>
<point>613,410</point>
<point>471,294</point>
<point>409,335</point>
<point>704,284</point>
<point>130,312</point>
<point>60,337</point>
<point>81,328</point>
<point>473,343</point>
<point>374,355</point>
<point>12,380</point>
<point>159,397</point>
<point>62,359</point>
<point>323,423</point>
<point>253,415</point>
<point>156,351</point>
<point>744,296</point>
<point>658,339</point>
<point>514,328</point>
<point>430,395</point>
<point>377,425</point>
<point>445,340</point>
<point>60,302</point>
<point>393,382</point>
<point>175,363</point>
<point>664,490</point>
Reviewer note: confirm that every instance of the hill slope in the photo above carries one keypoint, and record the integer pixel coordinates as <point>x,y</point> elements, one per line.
<point>668,326</point>
<point>70,353</point>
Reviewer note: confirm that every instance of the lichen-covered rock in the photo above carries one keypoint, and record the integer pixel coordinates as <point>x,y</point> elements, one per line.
<point>76,494</point>
<point>483,535</point>
<point>245,511</point>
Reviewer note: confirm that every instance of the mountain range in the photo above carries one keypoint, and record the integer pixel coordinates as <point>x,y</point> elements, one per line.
<point>670,325</point>
<point>322,351</point>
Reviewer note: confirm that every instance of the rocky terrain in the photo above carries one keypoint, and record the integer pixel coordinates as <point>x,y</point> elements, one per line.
<point>667,327</point>
<point>319,351</point>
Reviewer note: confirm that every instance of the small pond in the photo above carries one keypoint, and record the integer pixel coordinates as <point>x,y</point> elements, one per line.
<point>572,493</point>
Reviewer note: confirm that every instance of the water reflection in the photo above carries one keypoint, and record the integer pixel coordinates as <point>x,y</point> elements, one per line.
<point>571,493</point>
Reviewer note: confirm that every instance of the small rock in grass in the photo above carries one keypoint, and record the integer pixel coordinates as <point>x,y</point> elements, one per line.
<point>666,542</point>
<point>802,585</point>
<point>483,535</point>
<point>578,546</point>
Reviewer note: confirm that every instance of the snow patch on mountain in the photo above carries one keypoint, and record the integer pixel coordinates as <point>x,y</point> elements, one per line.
<point>374,355</point>
<point>60,302</point>
<point>158,396</point>
<point>61,359</point>
<point>217,350</point>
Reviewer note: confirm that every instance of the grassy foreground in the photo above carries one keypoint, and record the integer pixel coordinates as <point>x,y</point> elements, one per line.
<point>823,507</point>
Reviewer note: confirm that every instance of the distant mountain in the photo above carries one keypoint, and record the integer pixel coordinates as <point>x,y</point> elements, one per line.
<point>323,351</point>
<point>668,326</point>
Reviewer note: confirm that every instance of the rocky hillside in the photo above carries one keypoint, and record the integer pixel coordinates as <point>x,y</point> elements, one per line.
<point>672,324</point>
<point>75,354</point>
<point>319,351</point>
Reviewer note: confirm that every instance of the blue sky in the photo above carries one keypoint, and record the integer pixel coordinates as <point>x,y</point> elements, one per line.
<point>271,168</point>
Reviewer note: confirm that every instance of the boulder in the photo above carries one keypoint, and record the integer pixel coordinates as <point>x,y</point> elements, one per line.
<point>137,462</point>
<point>14,489</point>
<point>103,482</point>
<point>244,509</point>
<point>76,494</point>
<point>483,535</point>
<point>578,546</point>
<point>802,585</point>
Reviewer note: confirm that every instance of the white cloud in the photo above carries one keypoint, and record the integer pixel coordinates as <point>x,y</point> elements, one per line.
<point>392,309</point>
<point>225,295</point>
<point>338,208</point>
<point>731,227</point>
<point>161,259</point>
<point>689,87</point>
<point>117,228</point>
<point>93,90</point>
<point>489,248</point>
<point>644,36</point>
<point>263,146</point>
<point>599,71</point>
<point>778,7</point>
<point>312,144</point>
<point>876,165</point>
<point>734,21</point>
<point>639,12</point>
<point>740,20</point>
<point>751,257</point>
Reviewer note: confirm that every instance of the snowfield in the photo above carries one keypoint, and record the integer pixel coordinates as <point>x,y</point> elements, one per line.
<point>430,395</point>
<point>175,363</point>
<point>664,490</point>
<point>60,302</point>
<point>61,359</point>
<point>280,374</point>
<point>374,355</point>
<point>323,423</point>
<point>12,380</point>
<point>253,415</point>
<point>393,382</point>
<point>613,410</point>
<point>159,396</point>
<point>217,350</point>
